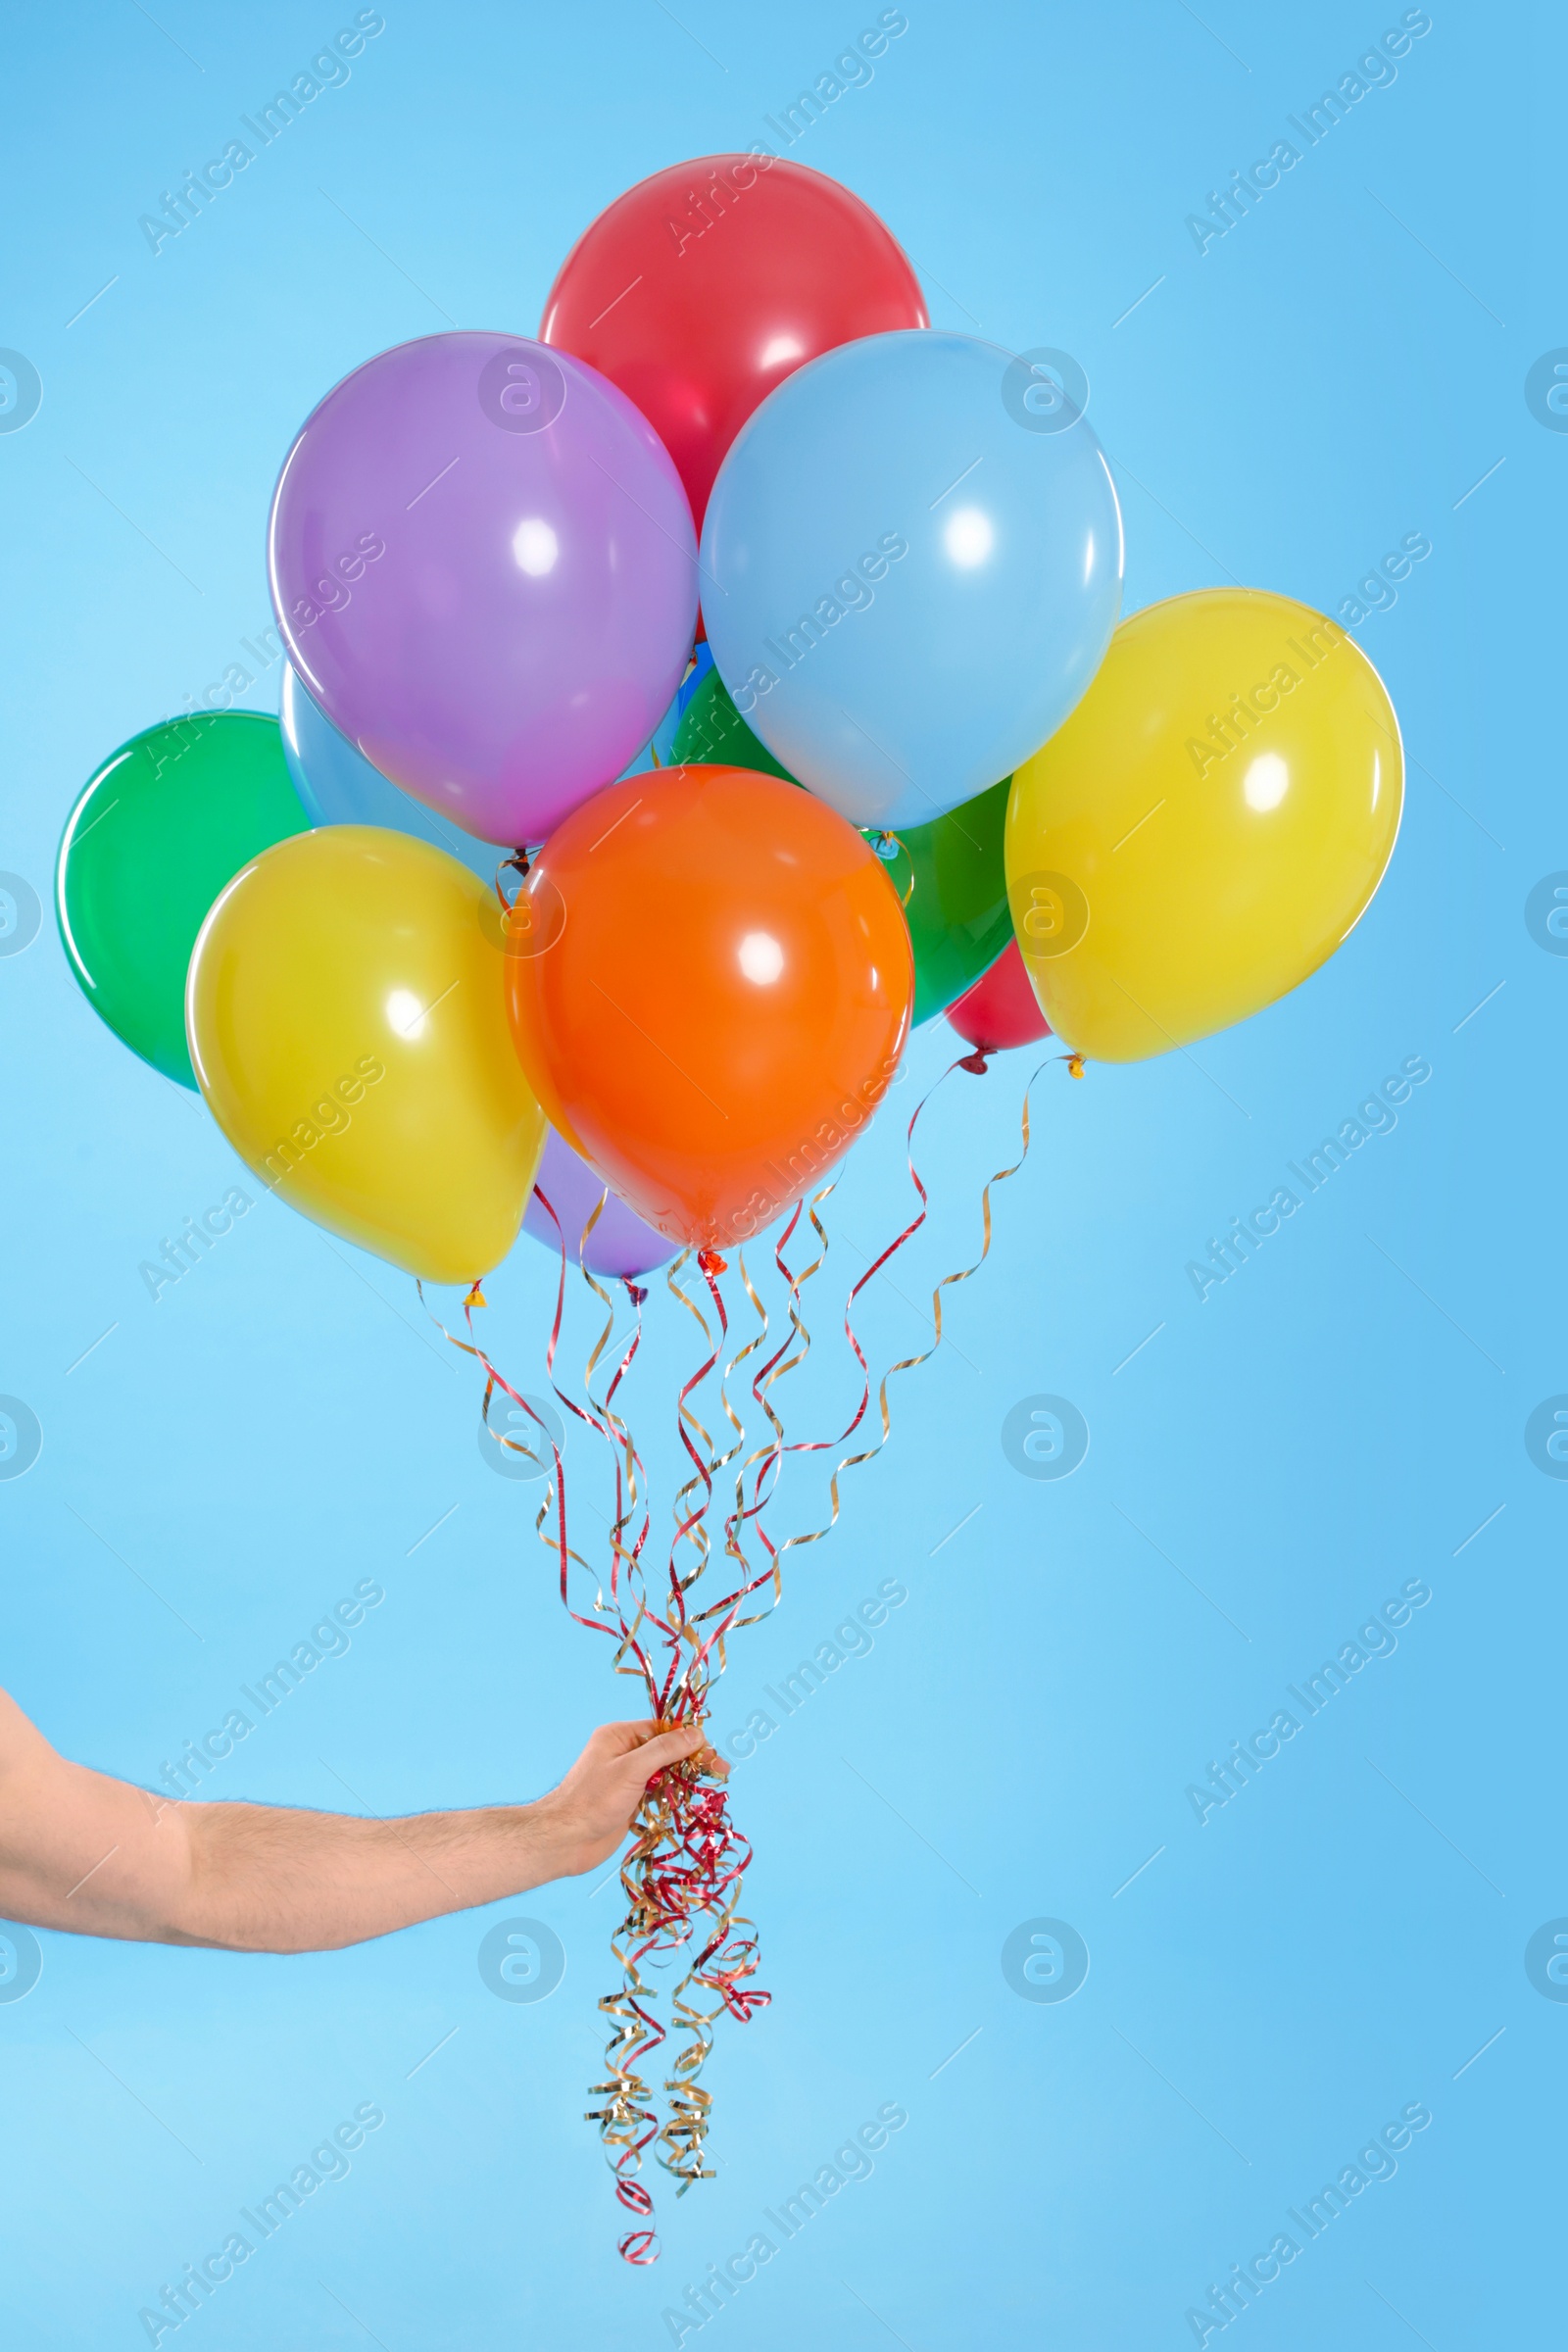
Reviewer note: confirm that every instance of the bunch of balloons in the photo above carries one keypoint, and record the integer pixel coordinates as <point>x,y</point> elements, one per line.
<point>679,708</point>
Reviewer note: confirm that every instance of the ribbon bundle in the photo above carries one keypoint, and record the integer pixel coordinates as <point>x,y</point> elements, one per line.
<point>684,1871</point>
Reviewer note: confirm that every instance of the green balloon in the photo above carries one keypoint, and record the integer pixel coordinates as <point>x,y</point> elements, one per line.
<point>958,914</point>
<point>958,909</point>
<point>713,734</point>
<point>162,827</point>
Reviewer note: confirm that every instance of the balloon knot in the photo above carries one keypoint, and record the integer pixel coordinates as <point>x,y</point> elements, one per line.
<point>887,847</point>
<point>977,1060</point>
<point>1075,1065</point>
<point>516,863</point>
<point>475,1297</point>
<point>711,1262</point>
<point>635,1292</point>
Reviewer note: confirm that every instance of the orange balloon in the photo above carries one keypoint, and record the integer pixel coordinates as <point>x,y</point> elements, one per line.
<point>710,981</point>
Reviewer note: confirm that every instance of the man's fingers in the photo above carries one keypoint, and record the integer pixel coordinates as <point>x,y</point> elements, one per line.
<point>619,1738</point>
<point>647,1750</point>
<point>668,1747</point>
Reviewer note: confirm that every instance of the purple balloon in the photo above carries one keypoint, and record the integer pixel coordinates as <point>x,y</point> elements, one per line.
<point>619,1245</point>
<point>484,568</point>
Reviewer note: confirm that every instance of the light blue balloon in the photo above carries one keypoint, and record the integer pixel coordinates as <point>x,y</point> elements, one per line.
<point>913,562</point>
<point>338,785</point>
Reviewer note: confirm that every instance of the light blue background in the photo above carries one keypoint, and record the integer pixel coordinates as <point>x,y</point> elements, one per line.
<point>1337,371</point>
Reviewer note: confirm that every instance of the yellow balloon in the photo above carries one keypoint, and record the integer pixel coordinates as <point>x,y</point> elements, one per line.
<point>347,1019</point>
<point>1207,825</point>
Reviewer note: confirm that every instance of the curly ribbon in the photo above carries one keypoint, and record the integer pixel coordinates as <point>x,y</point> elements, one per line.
<point>887,847</point>
<point>777,1554</point>
<point>975,1062</point>
<point>687,1860</point>
<point>626,1572</point>
<point>766,1463</point>
<point>683,1873</point>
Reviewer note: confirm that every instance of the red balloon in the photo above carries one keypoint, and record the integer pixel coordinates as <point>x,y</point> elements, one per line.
<point>1001,1009</point>
<point>705,286</point>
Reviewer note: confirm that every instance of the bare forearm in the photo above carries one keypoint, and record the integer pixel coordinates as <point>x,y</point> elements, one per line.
<point>262,1878</point>
<point>265,1879</point>
<point>97,1857</point>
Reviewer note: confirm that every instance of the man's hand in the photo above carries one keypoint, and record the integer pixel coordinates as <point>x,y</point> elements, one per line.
<point>96,1856</point>
<point>593,1808</point>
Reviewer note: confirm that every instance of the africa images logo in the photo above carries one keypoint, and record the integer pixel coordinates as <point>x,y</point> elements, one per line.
<point>21,391</point>
<point>1045,1437</point>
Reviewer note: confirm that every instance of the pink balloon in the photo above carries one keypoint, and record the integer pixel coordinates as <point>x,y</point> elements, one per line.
<point>484,569</point>
<point>621,1244</point>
